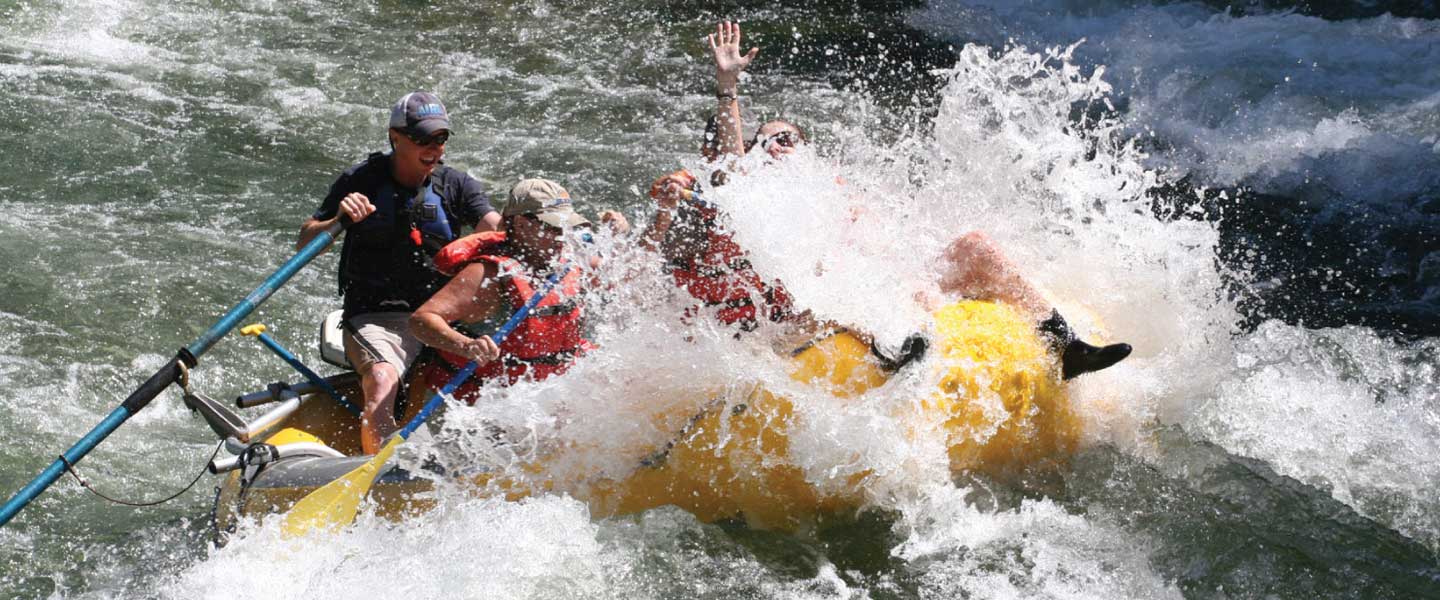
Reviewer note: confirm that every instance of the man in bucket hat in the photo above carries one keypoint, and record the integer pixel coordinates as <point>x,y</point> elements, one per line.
<point>404,206</point>
<point>496,274</point>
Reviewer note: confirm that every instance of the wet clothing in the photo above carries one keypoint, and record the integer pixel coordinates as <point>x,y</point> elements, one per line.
<point>548,340</point>
<point>704,260</point>
<point>385,260</point>
<point>381,337</point>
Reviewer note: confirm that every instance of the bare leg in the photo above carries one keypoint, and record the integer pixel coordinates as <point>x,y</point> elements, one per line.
<point>974,267</point>
<point>379,382</point>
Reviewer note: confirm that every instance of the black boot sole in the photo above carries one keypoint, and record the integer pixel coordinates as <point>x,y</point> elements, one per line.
<point>1080,358</point>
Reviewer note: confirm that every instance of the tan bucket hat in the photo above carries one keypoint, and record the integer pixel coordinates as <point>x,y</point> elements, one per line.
<point>545,200</point>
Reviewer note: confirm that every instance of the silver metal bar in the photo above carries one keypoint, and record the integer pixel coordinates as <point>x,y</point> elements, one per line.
<point>274,418</point>
<point>221,465</point>
<point>273,392</point>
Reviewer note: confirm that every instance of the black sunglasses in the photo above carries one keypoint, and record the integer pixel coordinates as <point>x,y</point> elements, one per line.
<point>581,231</point>
<point>786,139</point>
<point>436,139</point>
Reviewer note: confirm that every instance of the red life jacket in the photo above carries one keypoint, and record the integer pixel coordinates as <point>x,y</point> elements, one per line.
<point>455,255</point>
<point>721,276</point>
<point>547,341</point>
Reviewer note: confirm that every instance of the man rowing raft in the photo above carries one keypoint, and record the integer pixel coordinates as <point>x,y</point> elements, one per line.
<point>404,206</point>
<point>495,274</point>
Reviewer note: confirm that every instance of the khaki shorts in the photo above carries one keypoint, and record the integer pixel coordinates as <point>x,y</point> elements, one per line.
<point>381,337</point>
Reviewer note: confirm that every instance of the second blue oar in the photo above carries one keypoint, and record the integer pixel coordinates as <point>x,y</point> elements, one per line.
<point>189,356</point>
<point>335,504</point>
<point>258,330</point>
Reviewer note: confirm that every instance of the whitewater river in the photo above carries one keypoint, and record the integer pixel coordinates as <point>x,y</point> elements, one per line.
<point>1249,195</point>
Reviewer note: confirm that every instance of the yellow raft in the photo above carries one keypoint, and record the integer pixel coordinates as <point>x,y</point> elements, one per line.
<point>999,404</point>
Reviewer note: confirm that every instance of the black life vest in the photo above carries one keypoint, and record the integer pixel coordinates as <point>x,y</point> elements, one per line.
<point>385,264</point>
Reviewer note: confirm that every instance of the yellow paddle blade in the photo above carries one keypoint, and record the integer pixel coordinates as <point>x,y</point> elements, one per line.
<point>334,505</point>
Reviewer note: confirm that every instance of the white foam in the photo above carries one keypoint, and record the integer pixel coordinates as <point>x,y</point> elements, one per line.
<point>544,547</point>
<point>1343,410</point>
<point>1241,98</point>
<point>89,32</point>
<point>1035,550</point>
<point>1012,158</point>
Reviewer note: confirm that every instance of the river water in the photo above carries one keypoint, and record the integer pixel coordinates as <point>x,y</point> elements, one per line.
<point>1248,193</point>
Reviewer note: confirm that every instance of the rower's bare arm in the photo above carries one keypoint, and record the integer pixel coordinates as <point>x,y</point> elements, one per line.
<point>490,222</point>
<point>469,297</point>
<point>309,229</point>
<point>655,234</point>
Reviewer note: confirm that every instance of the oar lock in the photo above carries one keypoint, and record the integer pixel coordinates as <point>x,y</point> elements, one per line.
<point>223,421</point>
<point>252,460</point>
<point>173,370</point>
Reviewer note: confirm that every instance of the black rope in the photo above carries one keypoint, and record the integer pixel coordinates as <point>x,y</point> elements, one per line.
<point>85,484</point>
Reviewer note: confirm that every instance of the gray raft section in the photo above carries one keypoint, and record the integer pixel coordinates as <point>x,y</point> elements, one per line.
<point>315,471</point>
<point>276,486</point>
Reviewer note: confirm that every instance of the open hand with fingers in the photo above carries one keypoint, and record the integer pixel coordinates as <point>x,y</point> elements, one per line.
<point>725,43</point>
<point>669,190</point>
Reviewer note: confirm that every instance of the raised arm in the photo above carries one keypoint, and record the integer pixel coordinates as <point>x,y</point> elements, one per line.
<point>729,63</point>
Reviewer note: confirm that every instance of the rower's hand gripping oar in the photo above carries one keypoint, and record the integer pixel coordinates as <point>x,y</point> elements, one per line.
<point>335,504</point>
<point>169,373</point>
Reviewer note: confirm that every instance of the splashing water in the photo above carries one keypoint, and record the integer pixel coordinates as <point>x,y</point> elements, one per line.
<point>1045,150</point>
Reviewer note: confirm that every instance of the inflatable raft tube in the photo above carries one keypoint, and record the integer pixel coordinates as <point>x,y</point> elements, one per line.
<point>318,443</point>
<point>998,404</point>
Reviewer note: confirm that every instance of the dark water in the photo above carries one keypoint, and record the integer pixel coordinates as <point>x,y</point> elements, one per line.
<point>1277,437</point>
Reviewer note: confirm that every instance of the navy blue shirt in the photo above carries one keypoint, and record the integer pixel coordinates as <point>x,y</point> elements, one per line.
<point>382,268</point>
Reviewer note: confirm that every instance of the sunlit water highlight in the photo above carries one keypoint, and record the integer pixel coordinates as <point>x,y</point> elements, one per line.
<point>1218,461</point>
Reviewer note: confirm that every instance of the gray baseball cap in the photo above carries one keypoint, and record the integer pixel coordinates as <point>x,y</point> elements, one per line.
<point>545,200</point>
<point>419,112</point>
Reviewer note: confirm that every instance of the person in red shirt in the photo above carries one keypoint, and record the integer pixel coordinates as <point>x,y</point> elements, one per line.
<point>706,262</point>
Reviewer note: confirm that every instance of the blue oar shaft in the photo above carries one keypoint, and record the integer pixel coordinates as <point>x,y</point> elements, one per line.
<point>260,294</point>
<point>167,374</point>
<point>500,334</point>
<point>57,468</point>
<point>312,376</point>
